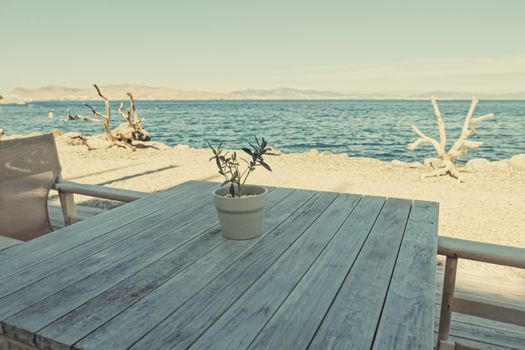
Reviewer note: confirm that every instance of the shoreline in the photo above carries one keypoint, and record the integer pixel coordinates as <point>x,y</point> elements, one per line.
<point>476,163</point>
<point>15,102</point>
<point>489,206</point>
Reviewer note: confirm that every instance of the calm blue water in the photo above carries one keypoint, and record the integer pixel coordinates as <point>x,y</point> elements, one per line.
<point>369,128</point>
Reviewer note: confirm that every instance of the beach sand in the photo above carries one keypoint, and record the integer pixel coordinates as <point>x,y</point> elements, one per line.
<point>489,206</point>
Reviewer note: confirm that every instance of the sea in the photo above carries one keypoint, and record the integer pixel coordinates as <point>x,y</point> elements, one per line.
<point>379,129</point>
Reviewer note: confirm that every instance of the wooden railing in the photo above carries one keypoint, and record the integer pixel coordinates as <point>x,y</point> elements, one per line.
<point>455,249</point>
<point>67,189</point>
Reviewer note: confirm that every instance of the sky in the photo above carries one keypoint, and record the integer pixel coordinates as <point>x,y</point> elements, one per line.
<point>399,47</point>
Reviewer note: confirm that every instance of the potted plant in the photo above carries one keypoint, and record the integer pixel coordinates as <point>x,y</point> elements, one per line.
<point>240,207</point>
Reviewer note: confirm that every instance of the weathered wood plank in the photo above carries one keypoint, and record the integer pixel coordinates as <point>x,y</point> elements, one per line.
<point>490,309</point>
<point>38,304</point>
<point>481,322</point>
<point>78,323</point>
<point>484,336</point>
<point>129,210</point>
<point>139,252</point>
<point>500,328</point>
<point>243,320</point>
<point>184,326</point>
<point>6,242</point>
<point>93,249</point>
<point>45,279</point>
<point>82,213</point>
<point>477,331</point>
<point>408,314</point>
<point>471,330</point>
<point>486,284</point>
<point>44,247</point>
<point>352,319</point>
<point>171,295</point>
<point>296,321</point>
<point>475,345</point>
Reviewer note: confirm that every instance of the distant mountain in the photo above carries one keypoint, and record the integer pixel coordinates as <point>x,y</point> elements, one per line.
<point>142,92</point>
<point>10,100</point>
<point>451,95</point>
<point>511,96</point>
<point>285,94</point>
<point>114,92</point>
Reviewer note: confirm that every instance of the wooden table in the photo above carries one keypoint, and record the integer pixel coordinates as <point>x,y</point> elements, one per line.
<point>329,271</point>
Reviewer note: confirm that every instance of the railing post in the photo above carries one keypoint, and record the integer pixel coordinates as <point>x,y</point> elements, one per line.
<point>449,283</point>
<point>67,202</point>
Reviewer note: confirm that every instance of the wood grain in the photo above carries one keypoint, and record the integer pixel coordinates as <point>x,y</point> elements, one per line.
<point>329,271</point>
<point>407,318</point>
<point>81,321</point>
<point>152,309</point>
<point>40,249</point>
<point>237,327</point>
<point>297,320</point>
<point>71,287</point>
<point>62,270</point>
<point>184,326</point>
<point>352,318</point>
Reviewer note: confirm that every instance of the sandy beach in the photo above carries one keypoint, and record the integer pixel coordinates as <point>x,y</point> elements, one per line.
<point>489,206</point>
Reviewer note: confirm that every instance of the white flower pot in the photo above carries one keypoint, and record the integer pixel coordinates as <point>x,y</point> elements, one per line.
<point>241,218</point>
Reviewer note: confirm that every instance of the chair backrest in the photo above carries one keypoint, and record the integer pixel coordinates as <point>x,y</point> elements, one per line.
<point>28,168</point>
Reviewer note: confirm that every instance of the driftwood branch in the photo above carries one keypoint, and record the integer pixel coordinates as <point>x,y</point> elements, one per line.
<point>103,119</point>
<point>133,108</point>
<point>125,114</point>
<point>82,117</point>
<point>441,126</point>
<point>133,129</point>
<point>125,133</point>
<point>106,101</point>
<point>445,163</point>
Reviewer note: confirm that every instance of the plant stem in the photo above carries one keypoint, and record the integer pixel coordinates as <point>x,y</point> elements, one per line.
<point>246,178</point>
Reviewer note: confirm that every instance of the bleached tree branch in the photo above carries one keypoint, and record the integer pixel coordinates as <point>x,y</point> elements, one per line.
<point>125,133</point>
<point>125,114</point>
<point>458,149</point>
<point>441,126</point>
<point>423,139</point>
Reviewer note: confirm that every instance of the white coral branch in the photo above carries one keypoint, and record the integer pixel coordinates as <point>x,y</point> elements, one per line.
<point>441,126</point>
<point>459,148</point>
<point>423,139</point>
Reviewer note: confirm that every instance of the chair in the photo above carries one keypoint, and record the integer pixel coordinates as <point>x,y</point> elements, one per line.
<point>455,249</point>
<point>29,169</point>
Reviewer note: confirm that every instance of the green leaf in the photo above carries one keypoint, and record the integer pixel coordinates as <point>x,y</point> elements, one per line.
<point>211,147</point>
<point>247,150</point>
<point>266,166</point>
